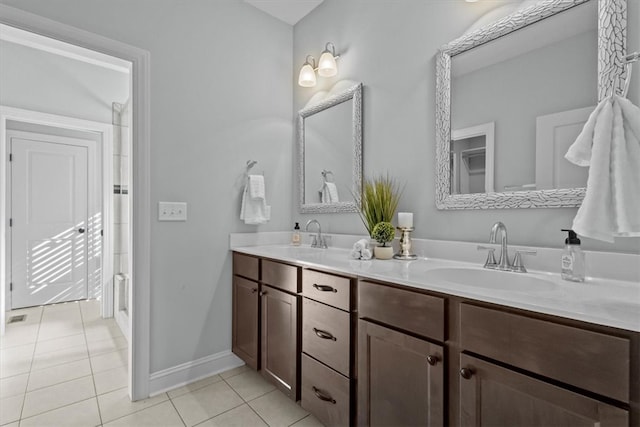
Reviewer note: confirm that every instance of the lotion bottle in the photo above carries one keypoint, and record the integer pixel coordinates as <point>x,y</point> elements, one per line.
<point>573,264</point>
<point>295,237</point>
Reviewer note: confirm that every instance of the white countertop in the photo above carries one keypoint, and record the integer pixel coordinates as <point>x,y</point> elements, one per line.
<point>601,301</point>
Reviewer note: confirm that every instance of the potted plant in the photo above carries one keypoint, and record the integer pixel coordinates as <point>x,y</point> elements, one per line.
<point>378,201</point>
<point>383,233</point>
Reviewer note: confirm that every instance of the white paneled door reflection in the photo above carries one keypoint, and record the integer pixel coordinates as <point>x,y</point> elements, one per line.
<point>49,235</point>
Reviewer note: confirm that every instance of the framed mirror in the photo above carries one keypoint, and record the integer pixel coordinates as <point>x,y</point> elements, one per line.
<point>535,76</point>
<point>330,153</point>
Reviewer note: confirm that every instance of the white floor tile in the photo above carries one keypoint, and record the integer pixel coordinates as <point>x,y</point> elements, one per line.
<point>242,416</point>
<point>250,385</point>
<point>308,421</point>
<point>19,335</point>
<point>207,402</point>
<point>58,329</point>
<point>59,357</point>
<point>12,386</point>
<point>112,379</point>
<point>46,346</point>
<point>107,346</point>
<point>235,371</point>
<point>116,404</point>
<point>163,414</point>
<point>104,329</point>
<point>10,408</point>
<point>34,315</point>
<point>194,386</point>
<point>58,374</point>
<point>81,414</point>
<point>46,399</point>
<point>16,360</point>
<point>106,361</point>
<point>277,409</point>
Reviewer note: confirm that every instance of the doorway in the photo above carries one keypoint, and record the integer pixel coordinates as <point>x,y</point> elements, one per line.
<point>55,222</point>
<point>138,352</point>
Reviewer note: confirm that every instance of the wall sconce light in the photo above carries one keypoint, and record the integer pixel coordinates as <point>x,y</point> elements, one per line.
<point>327,66</point>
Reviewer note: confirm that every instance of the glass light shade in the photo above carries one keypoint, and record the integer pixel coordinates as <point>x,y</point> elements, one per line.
<point>327,66</point>
<point>307,77</point>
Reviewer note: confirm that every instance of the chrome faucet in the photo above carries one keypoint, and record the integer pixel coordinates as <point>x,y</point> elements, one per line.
<point>503,261</point>
<point>318,241</point>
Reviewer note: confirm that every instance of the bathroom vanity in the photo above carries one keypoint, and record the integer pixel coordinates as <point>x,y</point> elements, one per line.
<point>392,343</point>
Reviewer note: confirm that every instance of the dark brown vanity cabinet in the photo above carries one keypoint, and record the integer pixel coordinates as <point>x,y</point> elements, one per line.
<point>517,370</point>
<point>400,357</point>
<point>245,332</point>
<point>328,345</point>
<point>266,319</point>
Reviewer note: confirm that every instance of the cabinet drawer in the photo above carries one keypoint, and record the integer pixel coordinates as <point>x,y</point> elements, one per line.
<point>326,335</point>
<point>412,311</point>
<point>281,276</point>
<point>327,288</point>
<point>246,266</point>
<point>325,393</point>
<point>590,360</point>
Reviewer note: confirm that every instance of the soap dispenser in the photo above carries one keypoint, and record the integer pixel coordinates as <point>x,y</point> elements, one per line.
<point>295,237</point>
<point>573,264</point>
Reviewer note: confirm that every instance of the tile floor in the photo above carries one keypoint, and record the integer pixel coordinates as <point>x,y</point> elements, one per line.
<point>65,366</point>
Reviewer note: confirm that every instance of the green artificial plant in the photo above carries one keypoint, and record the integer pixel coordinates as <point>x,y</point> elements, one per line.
<point>378,201</point>
<point>383,233</point>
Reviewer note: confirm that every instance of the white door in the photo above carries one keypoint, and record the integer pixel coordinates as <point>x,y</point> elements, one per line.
<point>49,210</point>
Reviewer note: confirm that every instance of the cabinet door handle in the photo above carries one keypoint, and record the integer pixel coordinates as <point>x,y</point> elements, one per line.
<point>320,395</point>
<point>254,290</point>
<point>432,360</point>
<point>324,288</point>
<point>466,373</point>
<point>324,334</point>
<point>262,293</point>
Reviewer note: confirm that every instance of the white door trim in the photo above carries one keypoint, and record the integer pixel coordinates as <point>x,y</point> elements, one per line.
<point>139,347</point>
<point>106,146</point>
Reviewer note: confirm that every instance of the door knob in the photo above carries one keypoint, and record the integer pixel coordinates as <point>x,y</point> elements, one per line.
<point>80,230</point>
<point>432,360</point>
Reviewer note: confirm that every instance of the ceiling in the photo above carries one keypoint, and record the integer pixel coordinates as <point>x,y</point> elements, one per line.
<point>289,11</point>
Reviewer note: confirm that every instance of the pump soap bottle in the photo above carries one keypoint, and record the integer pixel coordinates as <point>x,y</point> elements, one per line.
<point>295,237</point>
<point>573,264</point>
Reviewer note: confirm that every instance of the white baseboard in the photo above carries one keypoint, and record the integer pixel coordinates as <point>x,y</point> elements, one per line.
<point>186,373</point>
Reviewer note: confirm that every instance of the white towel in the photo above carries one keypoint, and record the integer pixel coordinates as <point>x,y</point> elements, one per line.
<point>361,244</point>
<point>254,208</point>
<point>256,187</point>
<point>366,254</point>
<point>329,193</point>
<point>610,145</point>
<point>355,254</point>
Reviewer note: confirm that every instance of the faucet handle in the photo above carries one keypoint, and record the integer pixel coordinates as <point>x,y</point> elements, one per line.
<point>314,241</point>
<point>518,266</point>
<point>491,258</point>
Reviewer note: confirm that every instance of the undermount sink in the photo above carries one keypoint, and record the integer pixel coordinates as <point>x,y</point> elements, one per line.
<point>490,279</point>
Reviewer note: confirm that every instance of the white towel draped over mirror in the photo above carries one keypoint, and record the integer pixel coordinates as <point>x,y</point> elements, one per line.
<point>609,145</point>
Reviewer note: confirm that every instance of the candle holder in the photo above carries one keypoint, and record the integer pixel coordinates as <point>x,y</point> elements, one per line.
<point>405,245</point>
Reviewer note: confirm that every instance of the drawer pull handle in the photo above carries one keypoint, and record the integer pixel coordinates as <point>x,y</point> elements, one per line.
<point>432,360</point>
<point>254,290</point>
<point>324,288</point>
<point>466,373</point>
<point>324,334</point>
<point>320,395</point>
<point>262,293</point>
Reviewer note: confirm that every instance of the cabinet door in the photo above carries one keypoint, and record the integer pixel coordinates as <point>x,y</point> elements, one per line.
<point>491,395</point>
<point>280,341</point>
<point>400,379</point>
<point>245,321</point>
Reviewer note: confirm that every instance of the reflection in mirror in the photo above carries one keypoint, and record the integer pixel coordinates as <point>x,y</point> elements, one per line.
<point>330,153</point>
<point>471,157</point>
<point>533,74</point>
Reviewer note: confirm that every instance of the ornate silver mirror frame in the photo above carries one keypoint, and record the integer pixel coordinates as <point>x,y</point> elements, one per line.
<point>354,93</point>
<point>612,24</point>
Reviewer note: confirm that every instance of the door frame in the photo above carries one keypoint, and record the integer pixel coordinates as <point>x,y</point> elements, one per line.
<point>105,146</point>
<point>140,289</point>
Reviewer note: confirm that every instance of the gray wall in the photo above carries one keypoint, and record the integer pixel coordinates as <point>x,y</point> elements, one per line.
<point>390,46</point>
<point>221,88</point>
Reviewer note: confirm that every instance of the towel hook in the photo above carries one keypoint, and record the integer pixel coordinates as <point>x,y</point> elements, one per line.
<point>629,60</point>
<point>250,164</point>
<point>324,173</point>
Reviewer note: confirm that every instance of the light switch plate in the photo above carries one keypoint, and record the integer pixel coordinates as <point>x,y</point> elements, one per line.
<point>172,211</point>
